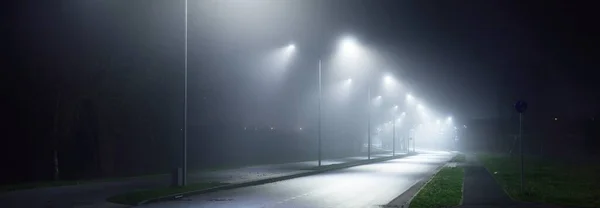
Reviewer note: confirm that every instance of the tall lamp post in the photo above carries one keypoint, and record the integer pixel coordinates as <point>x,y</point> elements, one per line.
<point>417,126</point>
<point>351,47</point>
<point>394,138</point>
<point>369,109</point>
<point>521,106</point>
<point>369,123</point>
<point>394,118</point>
<point>183,173</point>
<point>394,132</point>
<point>320,100</point>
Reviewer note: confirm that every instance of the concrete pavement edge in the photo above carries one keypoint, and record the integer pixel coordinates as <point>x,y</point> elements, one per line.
<point>270,180</point>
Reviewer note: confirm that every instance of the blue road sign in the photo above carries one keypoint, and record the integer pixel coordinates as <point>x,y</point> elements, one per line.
<point>521,106</point>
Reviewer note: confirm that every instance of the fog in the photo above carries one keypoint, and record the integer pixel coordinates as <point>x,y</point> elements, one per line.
<point>106,83</point>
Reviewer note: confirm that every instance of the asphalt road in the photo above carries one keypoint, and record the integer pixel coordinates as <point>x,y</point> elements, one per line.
<point>94,194</point>
<point>361,186</point>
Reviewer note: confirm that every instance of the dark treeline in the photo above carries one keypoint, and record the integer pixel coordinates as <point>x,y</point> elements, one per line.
<point>550,137</point>
<point>86,148</point>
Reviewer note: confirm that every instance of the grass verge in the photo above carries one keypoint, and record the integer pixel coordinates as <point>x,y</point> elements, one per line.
<point>135,197</point>
<point>444,189</point>
<point>546,181</point>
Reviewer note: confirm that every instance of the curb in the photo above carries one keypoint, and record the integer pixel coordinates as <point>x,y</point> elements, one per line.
<point>405,198</point>
<point>269,180</point>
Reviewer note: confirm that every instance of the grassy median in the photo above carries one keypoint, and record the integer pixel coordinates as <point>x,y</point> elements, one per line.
<point>135,197</point>
<point>444,189</point>
<point>548,181</point>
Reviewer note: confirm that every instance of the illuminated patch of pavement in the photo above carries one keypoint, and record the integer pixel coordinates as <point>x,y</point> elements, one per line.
<point>371,185</point>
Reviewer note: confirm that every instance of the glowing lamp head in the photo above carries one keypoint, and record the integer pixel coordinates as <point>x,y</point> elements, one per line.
<point>349,46</point>
<point>388,79</point>
<point>291,47</point>
<point>449,120</point>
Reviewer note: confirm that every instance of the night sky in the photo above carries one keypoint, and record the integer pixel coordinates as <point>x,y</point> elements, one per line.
<point>475,57</point>
<point>478,57</point>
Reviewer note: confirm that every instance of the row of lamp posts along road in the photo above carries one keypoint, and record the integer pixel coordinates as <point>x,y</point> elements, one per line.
<point>347,45</point>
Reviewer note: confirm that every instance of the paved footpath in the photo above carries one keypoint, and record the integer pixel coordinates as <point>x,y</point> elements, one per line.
<point>482,191</point>
<point>94,194</point>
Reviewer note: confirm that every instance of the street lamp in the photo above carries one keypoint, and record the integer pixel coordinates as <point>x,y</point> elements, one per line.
<point>291,47</point>
<point>411,136</point>
<point>320,100</point>
<point>394,130</point>
<point>349,48</point>
<point>183,175</point>
<point>387,79</point>
<point>409,98</point>
<point>369,121</point>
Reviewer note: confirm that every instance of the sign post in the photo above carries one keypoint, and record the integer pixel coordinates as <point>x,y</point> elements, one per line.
<point>521,106</point>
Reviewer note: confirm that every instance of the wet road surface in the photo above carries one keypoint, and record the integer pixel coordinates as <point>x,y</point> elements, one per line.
<point>369,185</point>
